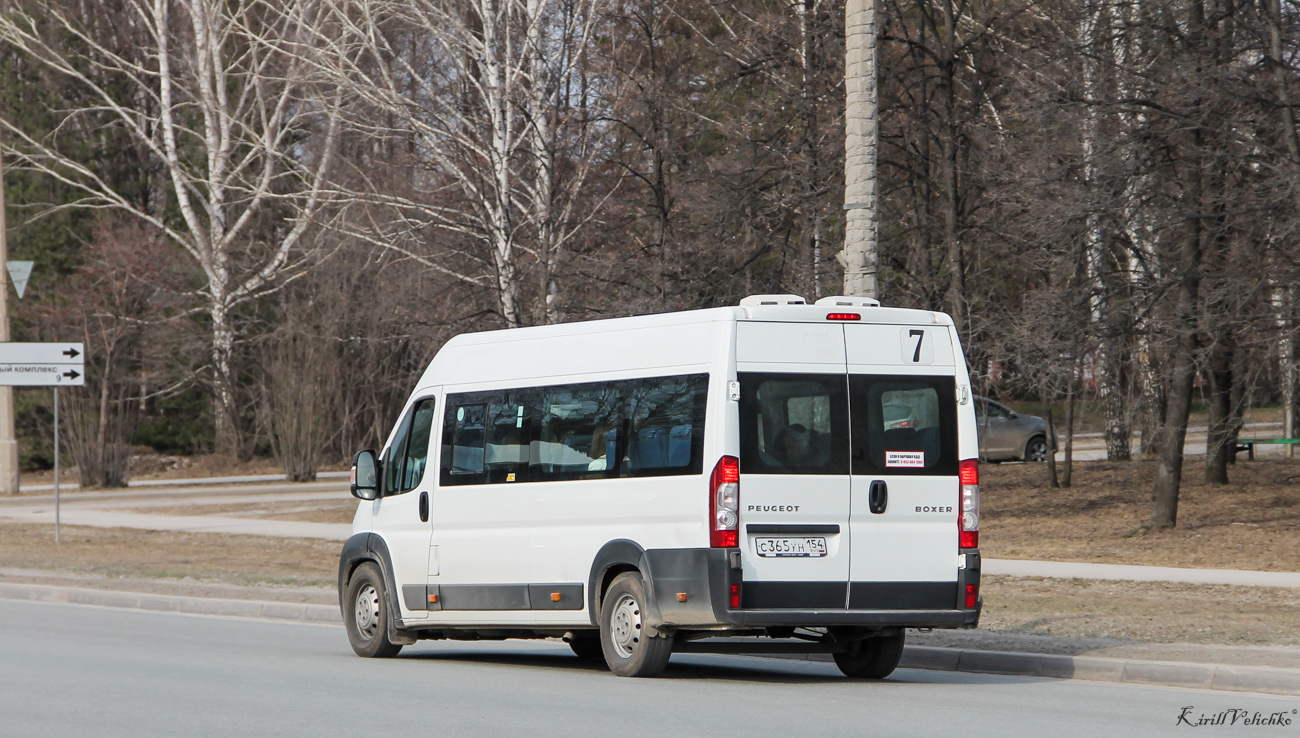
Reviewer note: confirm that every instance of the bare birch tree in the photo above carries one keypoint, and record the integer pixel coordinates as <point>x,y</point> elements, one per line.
<point>495,99</point>
<point>216,93</point>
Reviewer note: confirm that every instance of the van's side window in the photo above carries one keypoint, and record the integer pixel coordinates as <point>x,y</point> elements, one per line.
<point>904,425</point>
<point>462,439</point>
<point>409,453</point>
<point>509,429</point>
<point>793,424</point>
<point>579,433</point>
<point>597,430</point>
<point>666,430</point>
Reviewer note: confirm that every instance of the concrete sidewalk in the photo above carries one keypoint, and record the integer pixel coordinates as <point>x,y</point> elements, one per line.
<point>1228,677</point>
<point>1125,572</point>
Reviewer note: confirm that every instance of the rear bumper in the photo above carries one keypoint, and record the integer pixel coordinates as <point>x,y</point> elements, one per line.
<point>692,588</point>
<point>880,618</point>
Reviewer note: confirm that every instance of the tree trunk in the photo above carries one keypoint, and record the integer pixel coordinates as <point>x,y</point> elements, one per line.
<point>862,126</point>
<point>1219,440</point>
<point>1173,433</point>
<point>229,438</point>
<point>1052,480</point>
<point>1094,36</point>
<point>1182,365</point>
<point>1067,474</point>
<point>956,294</point>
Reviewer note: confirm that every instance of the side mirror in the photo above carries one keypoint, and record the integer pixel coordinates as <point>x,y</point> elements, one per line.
<point>365,475</point>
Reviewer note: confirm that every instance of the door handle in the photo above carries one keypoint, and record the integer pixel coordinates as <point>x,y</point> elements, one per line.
<point>424,507</point>
<point>878,496</point>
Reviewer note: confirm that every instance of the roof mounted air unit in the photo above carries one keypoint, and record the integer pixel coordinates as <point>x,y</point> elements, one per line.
<point>842,301</point>
<point>772,300</point>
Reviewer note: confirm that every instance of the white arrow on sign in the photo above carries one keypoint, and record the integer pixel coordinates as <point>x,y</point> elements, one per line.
<point>42,364</point>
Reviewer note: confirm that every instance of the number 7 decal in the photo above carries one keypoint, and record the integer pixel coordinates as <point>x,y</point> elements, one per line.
<point>919,335</point>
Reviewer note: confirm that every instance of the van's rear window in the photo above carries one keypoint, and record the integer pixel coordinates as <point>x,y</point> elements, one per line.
<point>903,425</point>
<point>793,424</point>
<point>828,423</point>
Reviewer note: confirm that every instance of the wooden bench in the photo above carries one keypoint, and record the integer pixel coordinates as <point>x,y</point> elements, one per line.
<point>1248,445</point>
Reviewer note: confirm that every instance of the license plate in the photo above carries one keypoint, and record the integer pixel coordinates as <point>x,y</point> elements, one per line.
<point>792,547</point>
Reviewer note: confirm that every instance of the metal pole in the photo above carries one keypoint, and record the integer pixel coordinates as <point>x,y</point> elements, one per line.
<point>862,130</point>
<point>57,507</point>
<point>8,441</point>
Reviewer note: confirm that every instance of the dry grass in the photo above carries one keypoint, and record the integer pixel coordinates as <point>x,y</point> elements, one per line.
<point>122,553</point>
<point>1253,523</point>
<point>1152,612</point>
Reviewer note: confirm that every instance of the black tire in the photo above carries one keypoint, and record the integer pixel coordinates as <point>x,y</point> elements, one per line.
<point>628,651</point>
<point>1036,449</point>
<point>587,649</point>
<point>365,611</point>
<point>872,658</point>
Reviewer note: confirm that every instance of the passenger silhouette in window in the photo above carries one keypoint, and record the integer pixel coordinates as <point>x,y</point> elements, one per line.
<point>798,447</point>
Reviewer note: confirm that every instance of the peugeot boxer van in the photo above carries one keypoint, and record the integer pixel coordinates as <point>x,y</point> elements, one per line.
<point>646,485</point>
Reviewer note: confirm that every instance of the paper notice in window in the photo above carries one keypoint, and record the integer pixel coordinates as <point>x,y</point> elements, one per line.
<point>905,459</point>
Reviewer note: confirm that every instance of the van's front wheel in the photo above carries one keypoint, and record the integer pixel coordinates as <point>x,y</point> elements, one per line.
<point>872,658</point>
<point>628,650</point>
<point>366,614</point>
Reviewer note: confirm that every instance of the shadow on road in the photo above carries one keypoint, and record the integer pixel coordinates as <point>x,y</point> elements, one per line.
<point>705,667</point>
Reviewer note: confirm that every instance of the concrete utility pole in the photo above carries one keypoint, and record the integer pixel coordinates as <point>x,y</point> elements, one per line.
<point>861,202</point>
<point>8,444</point>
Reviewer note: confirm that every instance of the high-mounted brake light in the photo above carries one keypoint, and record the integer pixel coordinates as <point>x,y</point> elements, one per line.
<point>843,316</point>
<point>968,523</point>
<point>724,503</point>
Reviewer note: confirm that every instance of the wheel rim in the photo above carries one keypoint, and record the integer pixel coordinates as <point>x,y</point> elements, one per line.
<point>367,611</point>
<point>625,626</point>
<point>1038,451</point>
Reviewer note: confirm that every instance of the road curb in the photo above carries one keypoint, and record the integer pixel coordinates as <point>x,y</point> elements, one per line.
<point>1221,677</point>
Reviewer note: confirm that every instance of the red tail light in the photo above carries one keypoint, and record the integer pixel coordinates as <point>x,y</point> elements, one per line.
<point>735,597</point>
<point>724,503</point>
<point>968,519</point>
<point>843,316</point>
<point>972,594</point>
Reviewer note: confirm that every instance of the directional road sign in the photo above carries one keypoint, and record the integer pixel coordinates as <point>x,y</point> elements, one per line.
<point>42,364</point>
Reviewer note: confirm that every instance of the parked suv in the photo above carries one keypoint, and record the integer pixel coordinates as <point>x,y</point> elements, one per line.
<point>1006,435</point>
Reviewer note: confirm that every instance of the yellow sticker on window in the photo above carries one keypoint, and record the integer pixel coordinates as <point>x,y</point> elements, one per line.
<point>510,477</point>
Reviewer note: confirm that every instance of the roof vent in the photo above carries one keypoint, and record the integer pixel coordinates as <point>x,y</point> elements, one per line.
<point>842,301</point>
<point>772,300</point>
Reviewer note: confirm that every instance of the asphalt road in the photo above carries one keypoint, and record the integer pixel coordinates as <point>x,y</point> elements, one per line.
<point>81,671</point>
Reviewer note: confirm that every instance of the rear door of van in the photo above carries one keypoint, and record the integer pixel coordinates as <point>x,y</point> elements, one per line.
<point>904,490</point>
<point>794,465</point>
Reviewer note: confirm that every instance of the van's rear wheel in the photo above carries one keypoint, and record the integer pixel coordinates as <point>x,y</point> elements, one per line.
<point>872,658</point>
<point>366,614</point>
<point>628,650</point>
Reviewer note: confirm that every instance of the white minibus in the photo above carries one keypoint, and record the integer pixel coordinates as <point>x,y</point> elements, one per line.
<point>802,475</point>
